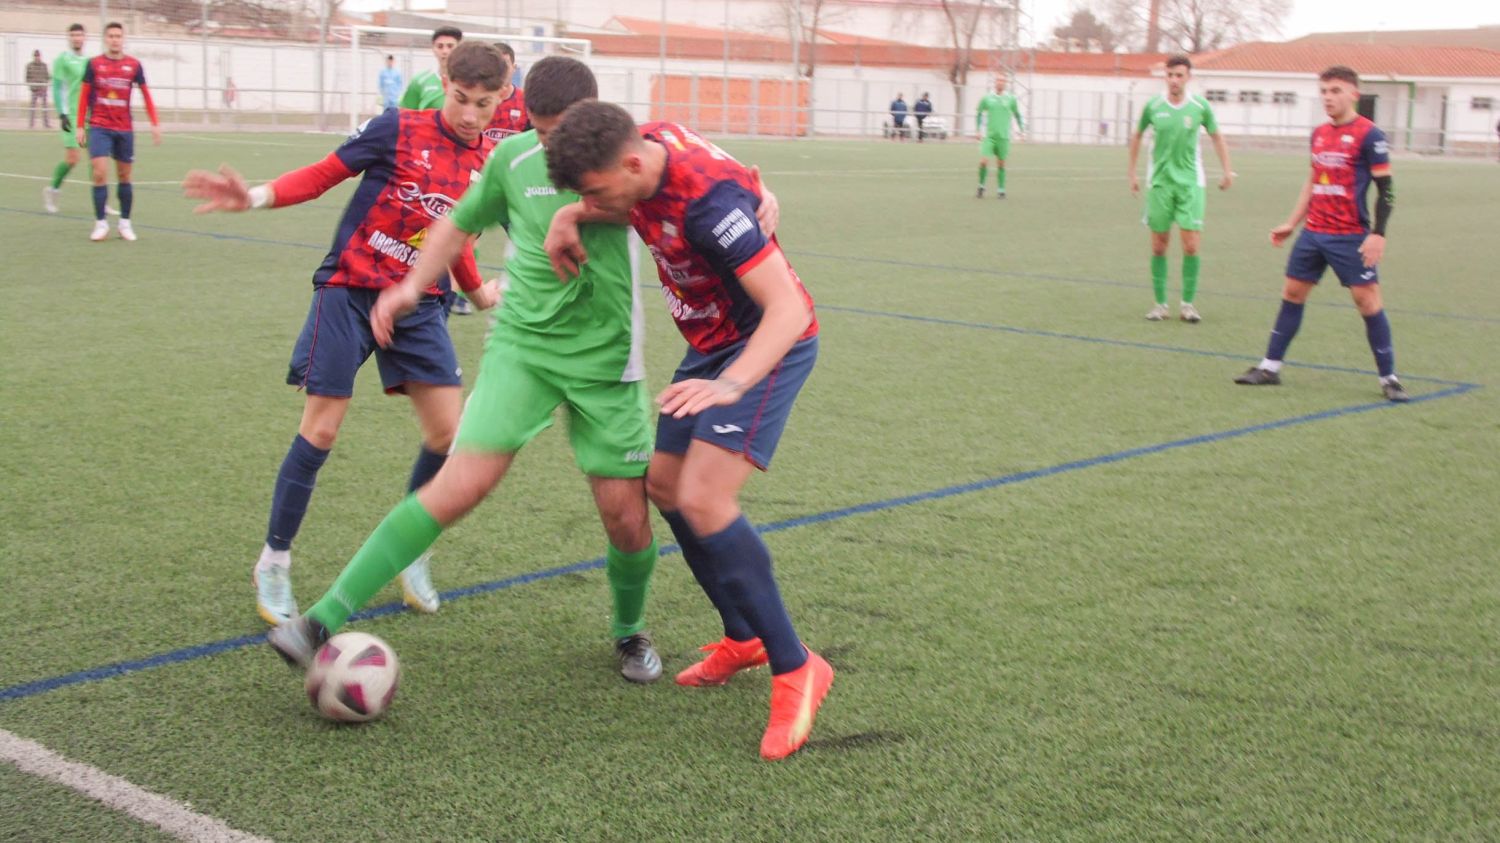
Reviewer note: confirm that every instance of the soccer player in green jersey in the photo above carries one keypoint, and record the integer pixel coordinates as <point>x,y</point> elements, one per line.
<point>576,345</point>
<point>426,88</point>
<point>67,75</point>
<point>1176,192</point>
<point>992,123</point>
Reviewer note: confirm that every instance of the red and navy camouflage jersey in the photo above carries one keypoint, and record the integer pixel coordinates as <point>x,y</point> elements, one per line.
<point>1343,158</point>
<point>109,83</point>
<point>510,118</point>
<point>700,227</point>
<point>415,169</point>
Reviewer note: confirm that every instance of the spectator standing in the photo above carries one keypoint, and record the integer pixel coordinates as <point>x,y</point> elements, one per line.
<point>37,77</point>
<point>898,117</point>
<point>922,108</point>
<point>390,83</point>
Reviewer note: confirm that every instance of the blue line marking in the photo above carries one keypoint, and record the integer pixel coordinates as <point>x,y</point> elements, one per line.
<point>31,689</point>
<point>1103,282</point>
<point>1149,346</point>
<point>971,270</point>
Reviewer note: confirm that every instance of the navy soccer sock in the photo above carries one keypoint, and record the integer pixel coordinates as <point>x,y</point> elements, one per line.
<point>126,192</point>
<point>1287,323</point>
<point>735,624</point>
<point>744,565</point>
<point>1378,331</point>
<point>101,195</point>
<point>425,468</point>
<point>294,487</point>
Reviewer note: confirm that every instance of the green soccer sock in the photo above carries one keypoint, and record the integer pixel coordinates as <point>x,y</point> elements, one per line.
<point>1159,278</point>
<point>1000,179</point>
<point>59,173</point>
<point>983,171</point>
<point>629,579</point>
<point>1190,264</point>
<point>405,534</point>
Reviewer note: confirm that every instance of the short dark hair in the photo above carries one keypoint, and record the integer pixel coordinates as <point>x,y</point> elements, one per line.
<point>475,63</point>
<point>557,82</point>
<point>591,137</point>
<point>390,58</point>
<point>1341,73</point>
<point>508,50</point>
<point>114,24</point>
<point>1180,60</point>
<point>450,31</point>
<point>77,27</point>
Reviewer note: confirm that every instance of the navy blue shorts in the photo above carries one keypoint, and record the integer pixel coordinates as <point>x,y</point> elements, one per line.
<point>108,143</point>
<point>1315,252</point>
<point>752,425</point>
<point>336,340</point>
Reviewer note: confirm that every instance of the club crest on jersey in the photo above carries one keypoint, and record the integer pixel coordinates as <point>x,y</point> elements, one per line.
<point>437,205</point>
<point>1347,139</point>
<point>425,161</point>
<point>1187,121</point>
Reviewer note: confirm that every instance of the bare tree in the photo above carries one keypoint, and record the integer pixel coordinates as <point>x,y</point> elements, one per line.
<point>1196,26</point>
<point>966,18</point>
<point>1085,29</point>
<point>801,20</point>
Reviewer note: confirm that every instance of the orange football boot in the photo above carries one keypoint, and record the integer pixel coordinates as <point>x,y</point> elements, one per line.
<point>725,659</point>
<point>795,698</point>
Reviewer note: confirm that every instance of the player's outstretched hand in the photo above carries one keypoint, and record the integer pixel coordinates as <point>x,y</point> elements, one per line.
<point>395,301</point>
<point>156,136</point>
<point>769,212</point>
<point>564,246</point>
<point>224,191</point>
<point>1135,185</point>
<point>1280,233</point>
<point>486,295</point>
<point>691,397</point>
<point>1227,181</point>
<point>1372,249</point>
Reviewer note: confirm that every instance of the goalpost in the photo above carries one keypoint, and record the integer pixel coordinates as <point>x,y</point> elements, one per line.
<point>378,41</point>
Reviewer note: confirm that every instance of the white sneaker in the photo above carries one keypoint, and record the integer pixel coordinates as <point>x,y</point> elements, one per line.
<point>1159,313</point>
<point>273,594</point>
<point>49,199</point>
<point>416,586</point>
<point>1189,314</point>
<point>126,232</point>
<point>101,231</point>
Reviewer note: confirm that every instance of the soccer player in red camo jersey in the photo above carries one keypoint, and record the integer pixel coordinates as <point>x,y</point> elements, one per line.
<point>1348,153</point>
<point>105,127</point>
<point>510,115</point>
<point>416,165</point>
<point>752,339</point>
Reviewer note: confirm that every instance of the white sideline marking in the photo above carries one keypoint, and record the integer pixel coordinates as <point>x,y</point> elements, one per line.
<point>132,181</point>
<point>169,815</point>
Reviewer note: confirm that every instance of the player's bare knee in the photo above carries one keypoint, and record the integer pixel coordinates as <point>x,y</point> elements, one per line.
<point>662,491</point>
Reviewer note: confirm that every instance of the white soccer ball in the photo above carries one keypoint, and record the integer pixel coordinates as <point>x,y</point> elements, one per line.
<point>353,677</point>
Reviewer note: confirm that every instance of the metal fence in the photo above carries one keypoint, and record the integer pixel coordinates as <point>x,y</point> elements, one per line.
<point>295,86</point>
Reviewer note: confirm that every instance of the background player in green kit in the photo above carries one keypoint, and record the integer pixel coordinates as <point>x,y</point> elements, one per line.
<point>426,89</point>
<point>67,75</point>
<point>996,110</point>
<point>1177,181</point>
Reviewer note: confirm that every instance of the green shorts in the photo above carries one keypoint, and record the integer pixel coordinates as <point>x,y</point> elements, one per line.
<point>70,140</point>
<point>1166,204</point>
<point>993,147</point>
<point>610,424</point>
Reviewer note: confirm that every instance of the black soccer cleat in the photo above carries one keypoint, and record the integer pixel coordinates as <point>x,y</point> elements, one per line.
<point>1256,376</point>
<point>298,640</point>
<point>639,661</point>
<point>1394,391</point>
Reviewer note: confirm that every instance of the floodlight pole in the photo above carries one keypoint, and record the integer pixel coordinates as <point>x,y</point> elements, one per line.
<point>661,60</point>
<point>203,30</point>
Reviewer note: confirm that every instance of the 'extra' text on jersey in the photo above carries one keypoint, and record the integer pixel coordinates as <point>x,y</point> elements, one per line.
<point>701,229</point>
<point>510,118</point>
<point>415,169</point>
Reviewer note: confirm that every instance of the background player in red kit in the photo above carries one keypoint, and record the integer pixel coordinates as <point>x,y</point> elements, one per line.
<point>105,126</point>
<point>1348,153</point>
<point>416,165</point>
<point>752,340</point>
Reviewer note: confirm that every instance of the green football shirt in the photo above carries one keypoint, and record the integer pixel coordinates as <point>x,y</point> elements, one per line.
<point>997,110</point>
<point>67,78</point>
<point>588,328</point>
<point>1176,156</point>
<point>424,91</point>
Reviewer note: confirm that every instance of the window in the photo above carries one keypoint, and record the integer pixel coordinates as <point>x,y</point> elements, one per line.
<point>1216,95</point>
<point>1284,97</point>
<point>1250,97</point>
<point>1482,103</point>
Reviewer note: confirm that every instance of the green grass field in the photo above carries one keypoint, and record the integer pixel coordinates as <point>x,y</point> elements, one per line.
<point>1181,609</point>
